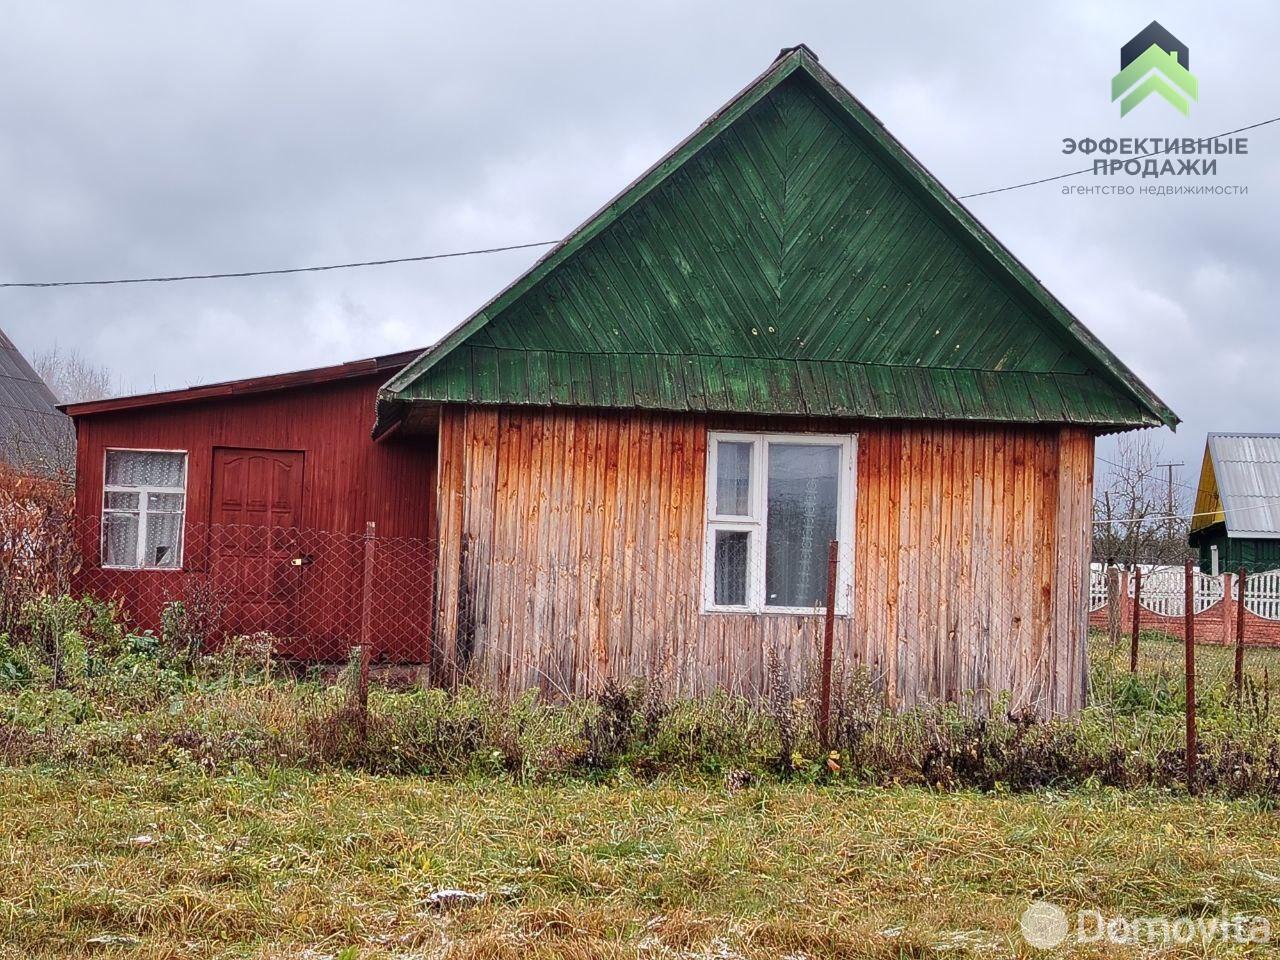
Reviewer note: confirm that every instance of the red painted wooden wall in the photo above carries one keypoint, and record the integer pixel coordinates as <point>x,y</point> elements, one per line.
<point>347,480</point>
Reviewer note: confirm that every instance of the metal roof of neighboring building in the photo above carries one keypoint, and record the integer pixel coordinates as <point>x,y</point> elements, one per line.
<point>1246,475</point>
<point>384,364</point>
<point>32,431</point>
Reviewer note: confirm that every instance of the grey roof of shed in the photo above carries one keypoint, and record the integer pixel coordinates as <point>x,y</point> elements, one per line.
<point>31,428</point>
<point>1246,470</point>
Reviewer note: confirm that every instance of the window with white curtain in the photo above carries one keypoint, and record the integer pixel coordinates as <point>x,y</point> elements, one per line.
<point>775,501</point>
<point>144,500</point>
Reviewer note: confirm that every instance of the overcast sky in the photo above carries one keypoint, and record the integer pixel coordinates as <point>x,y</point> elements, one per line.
<point>160,138</point>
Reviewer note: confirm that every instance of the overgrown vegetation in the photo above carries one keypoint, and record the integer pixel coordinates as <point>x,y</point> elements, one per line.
<point>38,552</point>
<point>80,690</point>
<point>162,796</point>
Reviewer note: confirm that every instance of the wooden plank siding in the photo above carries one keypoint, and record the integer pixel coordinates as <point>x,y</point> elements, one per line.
<point>348,481</point>
<point>784,257</point>
<point>572,546</point>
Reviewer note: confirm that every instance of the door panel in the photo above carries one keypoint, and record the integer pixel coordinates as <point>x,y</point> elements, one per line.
<point>256,517</point>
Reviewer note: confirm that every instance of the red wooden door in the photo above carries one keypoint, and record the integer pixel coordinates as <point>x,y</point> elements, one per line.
<point>256,517</point>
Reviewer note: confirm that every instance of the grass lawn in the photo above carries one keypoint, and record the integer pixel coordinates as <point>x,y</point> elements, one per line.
<point>1162,655</point>
<point>130,847</point>
<point>147,862</point>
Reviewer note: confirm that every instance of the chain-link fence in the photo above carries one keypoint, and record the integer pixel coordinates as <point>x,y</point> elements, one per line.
<point>734,609</point>
<point>317,593</point>
<point>566,608</point>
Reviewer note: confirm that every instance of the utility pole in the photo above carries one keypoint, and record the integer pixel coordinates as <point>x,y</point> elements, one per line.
<point>1169,476</point>
<point>1170,524</point>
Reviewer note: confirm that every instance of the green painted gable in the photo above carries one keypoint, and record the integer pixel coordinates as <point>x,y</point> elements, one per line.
<point>788,258</point>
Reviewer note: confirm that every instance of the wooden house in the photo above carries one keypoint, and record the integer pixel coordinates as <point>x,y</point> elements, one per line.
<point>784,333</point>
<point>1236,520</point>
<point>176,485</point>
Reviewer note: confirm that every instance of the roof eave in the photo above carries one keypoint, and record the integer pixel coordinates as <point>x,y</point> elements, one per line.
<point>786,64</point>
<point>992,245</point>
<point>247,386</point>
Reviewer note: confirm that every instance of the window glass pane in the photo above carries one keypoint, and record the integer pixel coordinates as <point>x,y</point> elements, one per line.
<point>804,482</point>
<point>120,501</point>
<point>137,468</point>
<point>733,478</point>
<point>163,533</point>
<point>120,539</point>
<point>731,550</point>
<point>165,502</point>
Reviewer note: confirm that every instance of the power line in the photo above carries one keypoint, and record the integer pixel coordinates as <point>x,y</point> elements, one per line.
<point>283,270</point>
<point>1272,501</point>
<point>517,246</point>
<point>1224,511</point>
<point>1176,483</point>
<point>1153,519</point>
<point>1076,173</point>
<point>1188,516</point>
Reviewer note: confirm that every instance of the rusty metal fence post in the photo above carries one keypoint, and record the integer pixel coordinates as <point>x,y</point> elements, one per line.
<point>1241,581</point>
<point>1189,642</point>
<point>366,624</point>
<point>1137,618</point>
<point>828,641</point>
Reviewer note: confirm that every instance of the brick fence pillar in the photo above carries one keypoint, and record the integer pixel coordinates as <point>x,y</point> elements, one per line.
<point>1228,604</point>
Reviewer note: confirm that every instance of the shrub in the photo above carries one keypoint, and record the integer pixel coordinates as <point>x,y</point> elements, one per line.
<point>625,722</point>
<point>191,624</point>
<point>135,683</point>
<point>38,549</point>
<point>54,628</point>
<point>62,639</point>
<point>785,709</point>
<point>714,735</point>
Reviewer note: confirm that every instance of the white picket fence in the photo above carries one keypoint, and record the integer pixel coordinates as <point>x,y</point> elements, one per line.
<point>1164,591</point>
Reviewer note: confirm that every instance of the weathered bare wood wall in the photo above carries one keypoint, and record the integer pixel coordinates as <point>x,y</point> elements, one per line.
<point>572,543</point>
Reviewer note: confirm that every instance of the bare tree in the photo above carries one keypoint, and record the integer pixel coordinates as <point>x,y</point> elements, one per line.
<point>43,442</point>
<point>71,377</point>
<point>1140,508</point>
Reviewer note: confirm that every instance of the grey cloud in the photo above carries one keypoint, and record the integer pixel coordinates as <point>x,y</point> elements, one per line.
<point>151,138</point>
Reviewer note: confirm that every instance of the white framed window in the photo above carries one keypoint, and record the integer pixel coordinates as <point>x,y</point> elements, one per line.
<point>775,501</point>
<point>144,502</point>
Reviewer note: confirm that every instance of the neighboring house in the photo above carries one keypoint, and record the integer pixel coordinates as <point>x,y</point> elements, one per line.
<point>34,434</point>
<point>179,482</point>
<point>633,459</point>
<point>1236,520</point>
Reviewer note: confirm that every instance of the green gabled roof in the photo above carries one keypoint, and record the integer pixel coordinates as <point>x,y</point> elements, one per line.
<point>789,257</point>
